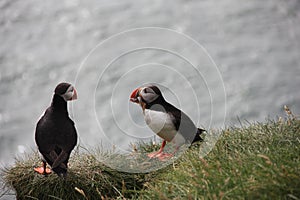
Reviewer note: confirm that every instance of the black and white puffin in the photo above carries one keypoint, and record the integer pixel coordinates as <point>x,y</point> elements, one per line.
<point>167,121</point>
<point>55,133</point>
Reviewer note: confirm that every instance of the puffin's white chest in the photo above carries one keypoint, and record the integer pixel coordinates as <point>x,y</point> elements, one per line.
<point>160,123</point>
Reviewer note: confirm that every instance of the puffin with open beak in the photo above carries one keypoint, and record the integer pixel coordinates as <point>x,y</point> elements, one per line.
<point>164,119</point>
<point>55,133</point>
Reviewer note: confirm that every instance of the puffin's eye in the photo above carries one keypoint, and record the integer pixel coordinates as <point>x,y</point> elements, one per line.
<point>71,89</point>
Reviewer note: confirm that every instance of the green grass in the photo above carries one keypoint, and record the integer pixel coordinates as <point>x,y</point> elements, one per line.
<point>255,161</point>
<point>261,161</point>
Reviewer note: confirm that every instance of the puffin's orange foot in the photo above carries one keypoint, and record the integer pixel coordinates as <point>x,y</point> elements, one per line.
<point>153,154</point>
<point>160,155</point>
<point>164,156</point>
<point>42,170</point>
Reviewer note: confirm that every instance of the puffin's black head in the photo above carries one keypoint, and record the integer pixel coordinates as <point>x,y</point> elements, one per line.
<point>147,94</point>
<point>66,91</point>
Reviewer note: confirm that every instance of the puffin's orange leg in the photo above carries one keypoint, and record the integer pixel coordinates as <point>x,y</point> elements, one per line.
<point>159,152</point>
<point>161,155</point>
<point>43,170</point>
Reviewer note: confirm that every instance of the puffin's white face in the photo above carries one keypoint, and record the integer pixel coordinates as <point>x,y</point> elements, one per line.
<point>145,93</point>
<point>70,94</point>
<point>148,94</point>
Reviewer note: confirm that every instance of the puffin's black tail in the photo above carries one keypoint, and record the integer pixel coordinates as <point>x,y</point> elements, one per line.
<point>61,172</point>
<point>197,136</point>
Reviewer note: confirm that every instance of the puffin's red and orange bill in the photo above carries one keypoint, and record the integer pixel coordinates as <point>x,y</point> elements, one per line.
<point>41,170</point>
<point>134,94</point>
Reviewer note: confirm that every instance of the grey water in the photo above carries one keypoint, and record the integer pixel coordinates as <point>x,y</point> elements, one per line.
<point>219,61</point>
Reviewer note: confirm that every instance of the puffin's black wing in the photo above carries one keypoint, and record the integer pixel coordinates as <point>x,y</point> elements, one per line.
<point>184,125</point>
<point>65,143</point>
<point>44,137</point>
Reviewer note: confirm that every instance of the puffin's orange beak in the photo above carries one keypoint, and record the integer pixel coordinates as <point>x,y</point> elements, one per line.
<point>74,95</point>
<point>134,96</point>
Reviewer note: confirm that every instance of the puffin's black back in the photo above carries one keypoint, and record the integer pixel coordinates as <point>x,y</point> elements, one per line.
<point>55,131</point>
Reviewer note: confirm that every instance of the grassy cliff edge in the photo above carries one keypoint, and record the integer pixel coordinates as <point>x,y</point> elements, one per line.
<point>255,161</point>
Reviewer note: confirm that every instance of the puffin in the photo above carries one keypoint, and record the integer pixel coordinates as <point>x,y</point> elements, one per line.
<point>164,119</point>
<point>55,133</point>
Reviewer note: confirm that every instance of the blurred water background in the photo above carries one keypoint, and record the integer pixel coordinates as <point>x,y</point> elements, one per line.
<point>255,44</point>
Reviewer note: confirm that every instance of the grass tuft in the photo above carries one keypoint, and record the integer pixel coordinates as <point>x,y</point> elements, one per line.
<point>87,179</point>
